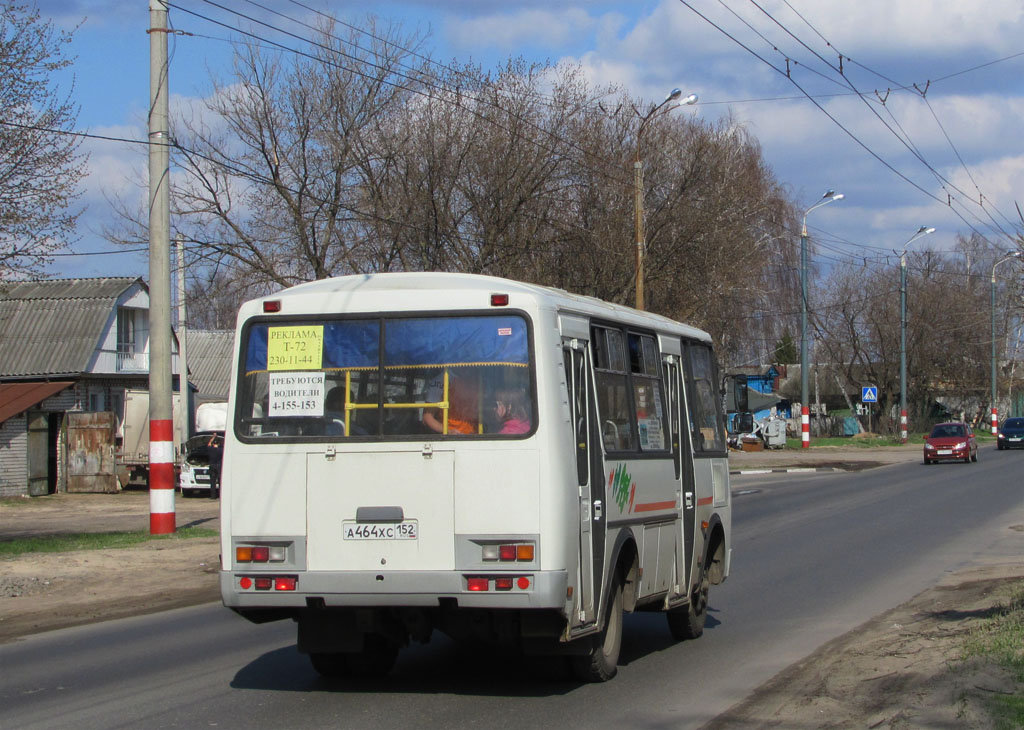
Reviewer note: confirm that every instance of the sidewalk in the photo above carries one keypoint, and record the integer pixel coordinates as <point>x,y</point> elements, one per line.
<point>822,458</point>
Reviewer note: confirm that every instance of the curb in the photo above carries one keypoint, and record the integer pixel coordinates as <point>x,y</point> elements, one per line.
<point>791,470</point>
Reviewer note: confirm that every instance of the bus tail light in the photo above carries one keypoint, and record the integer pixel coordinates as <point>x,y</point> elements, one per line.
<point>479,584</point>
<point>261,553</point>
<point>522,552</point>
<point>268,583</point>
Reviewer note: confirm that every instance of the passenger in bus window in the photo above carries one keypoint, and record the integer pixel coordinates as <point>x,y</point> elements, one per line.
<point>510,411</point>
<point>462,404</point>
<point>334,411</point>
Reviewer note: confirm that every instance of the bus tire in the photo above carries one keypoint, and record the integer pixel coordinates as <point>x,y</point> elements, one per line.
<point>332,664</point>
<point>375,660</point>
<point>600,663</point>
<point>687,622</point>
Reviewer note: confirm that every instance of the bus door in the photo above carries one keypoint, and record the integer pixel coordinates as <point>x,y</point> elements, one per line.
<point>591,494</point>
<point>682,458</point>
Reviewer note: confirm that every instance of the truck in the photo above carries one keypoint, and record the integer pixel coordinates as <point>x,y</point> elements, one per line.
<point>132,460</point>
<point>200,466</point>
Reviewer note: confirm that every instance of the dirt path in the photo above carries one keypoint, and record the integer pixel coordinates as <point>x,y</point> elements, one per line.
<point>898,670</point>
<point>44,591</point>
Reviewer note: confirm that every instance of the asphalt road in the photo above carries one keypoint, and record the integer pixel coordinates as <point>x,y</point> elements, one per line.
<point>815,555</point>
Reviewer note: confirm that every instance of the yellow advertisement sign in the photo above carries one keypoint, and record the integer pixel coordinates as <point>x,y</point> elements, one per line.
<point>295,348</point>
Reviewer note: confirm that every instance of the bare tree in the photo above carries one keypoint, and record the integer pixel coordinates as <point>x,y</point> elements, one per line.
<point>40,162</point>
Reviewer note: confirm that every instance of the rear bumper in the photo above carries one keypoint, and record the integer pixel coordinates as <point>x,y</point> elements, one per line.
<point>547,590</point>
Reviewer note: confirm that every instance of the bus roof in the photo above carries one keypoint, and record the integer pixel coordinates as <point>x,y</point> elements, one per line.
<point>309,297</point>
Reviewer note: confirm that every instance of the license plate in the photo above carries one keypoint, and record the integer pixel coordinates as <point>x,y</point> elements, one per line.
<point>202,477</point>
<point>945,452</point>
<point>407,530</point>
<point>1015,438</point>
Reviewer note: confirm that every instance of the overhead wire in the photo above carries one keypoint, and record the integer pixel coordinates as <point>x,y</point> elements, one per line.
<point>904,138</point>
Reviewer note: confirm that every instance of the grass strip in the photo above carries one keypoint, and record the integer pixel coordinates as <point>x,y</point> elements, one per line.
<point>70,542</point>
<point>999,640</point>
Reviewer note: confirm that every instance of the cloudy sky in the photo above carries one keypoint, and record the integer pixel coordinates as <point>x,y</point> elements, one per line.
<point>911,108</point>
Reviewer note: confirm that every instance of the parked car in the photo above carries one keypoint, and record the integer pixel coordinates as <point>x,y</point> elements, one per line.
<point>1011,434</point>
<point>204,452</point>
<point>952,441</point>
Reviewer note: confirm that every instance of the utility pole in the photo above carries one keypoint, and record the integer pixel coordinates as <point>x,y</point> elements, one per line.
<point>161,416</point>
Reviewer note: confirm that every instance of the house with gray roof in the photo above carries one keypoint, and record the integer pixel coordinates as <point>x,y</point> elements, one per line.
<point>69,351</point>
<point>209,354</point>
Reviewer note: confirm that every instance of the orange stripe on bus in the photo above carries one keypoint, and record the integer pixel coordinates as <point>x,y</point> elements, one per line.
<point>652,506</point>
<point>704,501</point>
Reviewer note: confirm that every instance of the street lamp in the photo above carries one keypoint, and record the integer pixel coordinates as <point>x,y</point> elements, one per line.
<point>922,231</point>
<point>995,413</point>
<point>805,411</point>
<point>638,184</point>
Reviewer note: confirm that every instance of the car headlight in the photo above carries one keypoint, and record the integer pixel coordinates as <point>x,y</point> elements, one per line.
<point>1002,435</point>
<point>186,467</point>
<point>961,445</point>
<point>930,446</point>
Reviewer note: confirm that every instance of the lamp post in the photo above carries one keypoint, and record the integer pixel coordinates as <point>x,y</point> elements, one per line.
<point>638,187</point>
<point>995,411</point>
<point>922,231</point>
<point>805,411</point>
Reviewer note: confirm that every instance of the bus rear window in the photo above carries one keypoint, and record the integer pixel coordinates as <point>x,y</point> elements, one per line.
<point>372,378</point>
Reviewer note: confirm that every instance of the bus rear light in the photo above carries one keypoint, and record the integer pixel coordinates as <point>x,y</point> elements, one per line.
<point>261,554</point>
<point>477,584</point>
<point>285,583</point>
<point>264,584</point>
<point>499,300</point>
<point>245,583</point>
<point>522,552</point>
<point>272,305</point>
<point>503,584</point>
<point>523,583</point>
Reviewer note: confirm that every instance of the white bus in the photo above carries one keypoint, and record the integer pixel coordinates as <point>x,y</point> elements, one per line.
<point>494,460</point>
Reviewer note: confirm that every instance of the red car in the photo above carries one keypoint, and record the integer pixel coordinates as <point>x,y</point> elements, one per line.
<point>953,441</point>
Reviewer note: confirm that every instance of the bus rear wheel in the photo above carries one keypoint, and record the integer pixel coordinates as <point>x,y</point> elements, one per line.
<point>687,622</point>
<point>375,660</point>
<point>601,663</point>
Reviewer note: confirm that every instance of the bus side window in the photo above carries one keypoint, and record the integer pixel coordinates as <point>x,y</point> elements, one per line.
<point>704,405</point>
<point>611,384</point>
<point>576,372</point>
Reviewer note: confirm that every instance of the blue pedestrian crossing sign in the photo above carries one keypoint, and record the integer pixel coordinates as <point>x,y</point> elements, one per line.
<point>869,394</point>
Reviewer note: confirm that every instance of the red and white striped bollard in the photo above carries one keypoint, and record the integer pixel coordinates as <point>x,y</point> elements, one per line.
<point>161,477</point>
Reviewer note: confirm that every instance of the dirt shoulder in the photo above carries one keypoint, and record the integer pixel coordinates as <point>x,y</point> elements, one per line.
<point>45,591</point>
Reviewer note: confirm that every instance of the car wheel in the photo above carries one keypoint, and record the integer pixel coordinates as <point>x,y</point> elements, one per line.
<point>974,457</point>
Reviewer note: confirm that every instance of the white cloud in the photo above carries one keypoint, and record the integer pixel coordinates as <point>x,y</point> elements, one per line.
<point>529,28</point>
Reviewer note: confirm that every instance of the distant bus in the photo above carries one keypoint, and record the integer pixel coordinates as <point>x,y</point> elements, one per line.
<point>490,459</point>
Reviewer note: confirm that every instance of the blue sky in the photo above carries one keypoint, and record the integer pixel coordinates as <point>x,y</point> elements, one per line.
<point>945,148</point>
